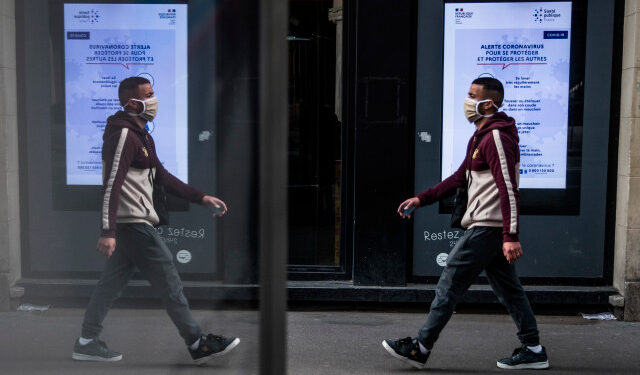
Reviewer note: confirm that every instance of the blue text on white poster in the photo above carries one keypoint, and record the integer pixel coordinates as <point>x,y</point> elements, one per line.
<point>527,47</point>
<point>106,43</point>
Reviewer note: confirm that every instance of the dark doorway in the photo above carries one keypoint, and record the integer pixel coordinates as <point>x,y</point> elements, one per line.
<point>315,165</point>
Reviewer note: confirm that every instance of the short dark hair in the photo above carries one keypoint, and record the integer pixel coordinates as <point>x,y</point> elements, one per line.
<point>491,88</point>
<point>129,88</point>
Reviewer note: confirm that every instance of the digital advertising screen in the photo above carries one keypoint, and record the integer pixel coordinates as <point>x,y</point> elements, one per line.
<point>527,46</point>
<point>106,43</point>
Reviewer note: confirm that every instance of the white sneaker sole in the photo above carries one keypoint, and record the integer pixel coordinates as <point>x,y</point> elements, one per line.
<point>525,366</point>
<point>203,360</point>
<point>415,364</point>
<point>86,357</point>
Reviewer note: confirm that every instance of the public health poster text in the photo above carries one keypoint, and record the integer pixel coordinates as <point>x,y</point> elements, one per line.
<point>106,43</point>
<point>527,47</point>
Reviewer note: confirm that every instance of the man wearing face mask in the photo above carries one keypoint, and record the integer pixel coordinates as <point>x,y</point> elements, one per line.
<point>490,243</point>
<point>128,239</point>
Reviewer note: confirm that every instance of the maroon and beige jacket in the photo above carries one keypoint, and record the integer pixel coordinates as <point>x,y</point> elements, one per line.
<point>492,169</point>
<point>127,185</point>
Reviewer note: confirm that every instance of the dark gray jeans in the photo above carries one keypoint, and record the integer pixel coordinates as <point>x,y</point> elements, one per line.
<point>480,248</point>
<point>138,245</point>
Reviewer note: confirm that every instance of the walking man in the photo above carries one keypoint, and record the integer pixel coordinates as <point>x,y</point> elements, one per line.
<point>128,239</point>
<point>490,243</point>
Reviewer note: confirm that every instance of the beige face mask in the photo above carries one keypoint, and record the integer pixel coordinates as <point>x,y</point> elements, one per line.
<point>149,108</point>
<point>471,109</point>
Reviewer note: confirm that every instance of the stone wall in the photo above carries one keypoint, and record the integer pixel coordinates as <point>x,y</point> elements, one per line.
<point>9,189</point>
<point>627,242</point>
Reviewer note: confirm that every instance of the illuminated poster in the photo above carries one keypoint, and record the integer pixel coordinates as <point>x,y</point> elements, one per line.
<point>106,43</point>
<point>527,47</point>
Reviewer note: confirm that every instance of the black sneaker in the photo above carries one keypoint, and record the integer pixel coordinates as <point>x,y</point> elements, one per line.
<point>96,350</point>
<point>213,346</point>
<point>524,358</point>
<point>407,350</point>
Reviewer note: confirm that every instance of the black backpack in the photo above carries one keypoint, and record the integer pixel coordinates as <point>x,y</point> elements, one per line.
<point>159,194</point>
<point>461,199</point>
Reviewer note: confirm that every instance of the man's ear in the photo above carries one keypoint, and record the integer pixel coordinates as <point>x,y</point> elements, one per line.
<point>134,105</point>
<point>488,106</point>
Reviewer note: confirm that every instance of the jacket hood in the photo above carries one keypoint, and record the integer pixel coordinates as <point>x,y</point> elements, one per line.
<point>502,122</point>
<point>120,120</point>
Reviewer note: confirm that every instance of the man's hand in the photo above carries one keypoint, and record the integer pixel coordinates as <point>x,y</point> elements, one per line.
<point>411,202</point>
<point>106,245</point>
<point>208,200</point>
<point>512,251</point>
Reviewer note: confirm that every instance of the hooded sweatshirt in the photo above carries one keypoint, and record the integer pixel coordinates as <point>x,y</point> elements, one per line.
<point>129,161</point>
<point>491,172</point>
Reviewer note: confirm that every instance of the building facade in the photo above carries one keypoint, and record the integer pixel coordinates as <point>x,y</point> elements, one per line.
<point>368,127</point>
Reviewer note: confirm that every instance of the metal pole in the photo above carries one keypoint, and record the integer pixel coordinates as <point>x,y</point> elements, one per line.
<point>273,140</point>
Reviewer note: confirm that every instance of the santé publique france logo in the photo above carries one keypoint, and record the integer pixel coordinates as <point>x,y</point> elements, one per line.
<point>95,16</point>
<point>546,15</point>
<point>538,15</point>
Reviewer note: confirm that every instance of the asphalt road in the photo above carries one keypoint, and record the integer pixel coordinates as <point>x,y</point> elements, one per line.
<point>324,342</point>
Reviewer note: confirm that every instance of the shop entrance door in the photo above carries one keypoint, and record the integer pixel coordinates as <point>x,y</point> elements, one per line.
<point>315,138</point>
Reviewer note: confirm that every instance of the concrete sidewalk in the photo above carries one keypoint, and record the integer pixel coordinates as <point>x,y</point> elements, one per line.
<point>319,343</point>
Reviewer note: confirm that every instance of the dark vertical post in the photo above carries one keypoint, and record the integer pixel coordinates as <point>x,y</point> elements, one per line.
<point>273,136</point>
<point>237,24</point>
<point>383,155</point>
